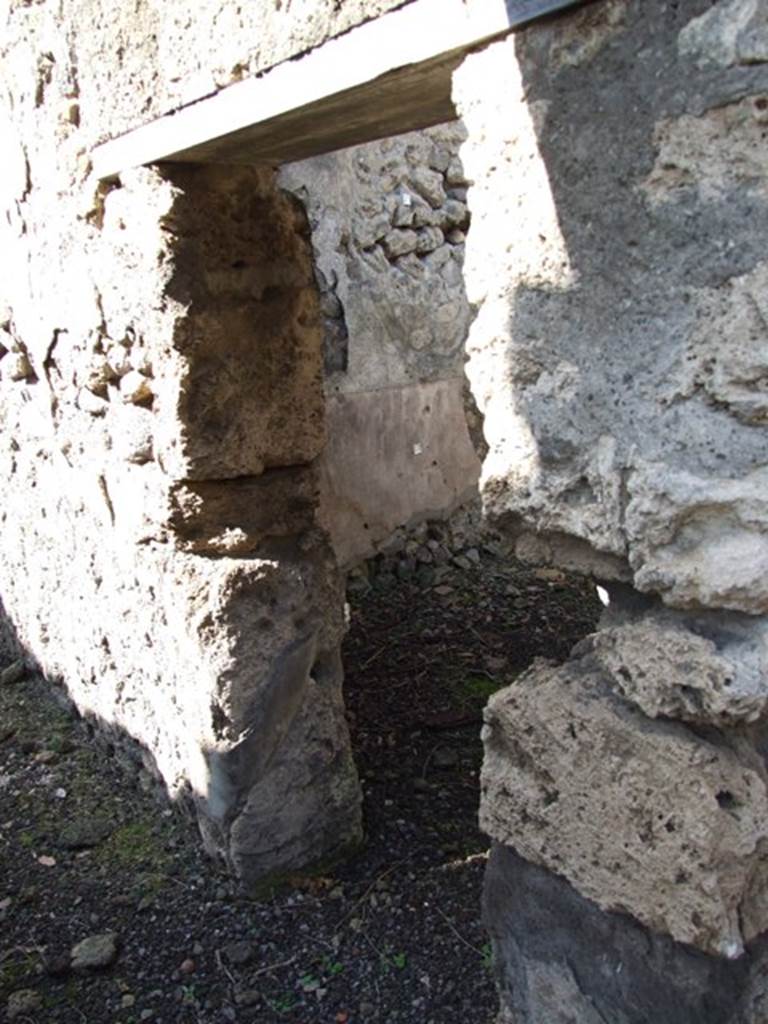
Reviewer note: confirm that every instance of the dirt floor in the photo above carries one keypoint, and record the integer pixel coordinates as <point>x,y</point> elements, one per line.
<point>393,935</point>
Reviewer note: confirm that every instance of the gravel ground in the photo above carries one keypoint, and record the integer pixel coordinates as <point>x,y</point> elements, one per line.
<point>393,935</point>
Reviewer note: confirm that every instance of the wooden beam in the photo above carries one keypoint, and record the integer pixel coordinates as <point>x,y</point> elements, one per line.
<point>389,75</point>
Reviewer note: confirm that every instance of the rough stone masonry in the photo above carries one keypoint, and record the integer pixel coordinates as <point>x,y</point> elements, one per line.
<point>163,411</point>
<point>620,359</point>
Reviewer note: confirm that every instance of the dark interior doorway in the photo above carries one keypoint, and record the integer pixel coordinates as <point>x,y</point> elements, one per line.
<point>435,630</point>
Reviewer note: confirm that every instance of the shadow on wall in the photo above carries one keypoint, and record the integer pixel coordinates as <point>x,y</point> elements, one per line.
<point>616,357</point>
<point>609,378</point>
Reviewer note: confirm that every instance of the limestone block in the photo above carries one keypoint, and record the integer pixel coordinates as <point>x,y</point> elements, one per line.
<point>118,360</point>
<point>454,174</point>
<point>370,229</point>
<point>274,836</point>
<point>429,185</point>
<point>642,816</point>
<point>93,404</point>
<point>277,788</point>
<point>455,213</point>
<point>434,261</point>
<point>706,669</point>
<point>136,388</point>
<point>429,239</point>
<point>424,215</point>
<point>699,541</point>
<point>403,215</point>
<point>132,431</point>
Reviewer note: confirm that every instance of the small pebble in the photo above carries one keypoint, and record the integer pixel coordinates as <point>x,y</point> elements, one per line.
<point>95,952</point>
<point>25,1002</point>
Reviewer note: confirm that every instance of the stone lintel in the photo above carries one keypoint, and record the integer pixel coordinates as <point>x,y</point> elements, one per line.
<point>390,75</point>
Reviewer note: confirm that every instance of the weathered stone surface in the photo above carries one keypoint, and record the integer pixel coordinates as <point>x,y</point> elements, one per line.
<point>23,1004</point>
<point>641,816</point>
<point>732,377</point>
<point>398,243</point>
<point>240,389</point>
<point>323,815</point>
<point>732,32</point>
<point>234,516</point>
<point>710,669</point>
<point>369,210</point>
<point>699,540</point>
<point>277,727</point>
<point>169,60</point>
<point>617,355</point>
<point>134,515</point>
<point>560,959</point>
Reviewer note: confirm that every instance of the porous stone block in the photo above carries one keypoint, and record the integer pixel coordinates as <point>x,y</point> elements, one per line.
<point>233,517</point>
<point>699,540</point>
<point>640,815</point>
<point>216,286</point>
<point>277,788</point>
<point>707,668</point>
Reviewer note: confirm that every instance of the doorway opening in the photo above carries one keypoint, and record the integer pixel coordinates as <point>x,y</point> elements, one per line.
<point>429,642</point>
<point>441,615</point>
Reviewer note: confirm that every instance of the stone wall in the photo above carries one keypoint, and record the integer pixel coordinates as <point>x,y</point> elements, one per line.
<point>162,412</point>
<point>619,359</point>
<point>389,222</point>
<point>163,550</point>
<point>166,495</point>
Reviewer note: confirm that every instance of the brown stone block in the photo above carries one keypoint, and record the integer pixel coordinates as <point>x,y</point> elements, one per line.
<point>233,516</point>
